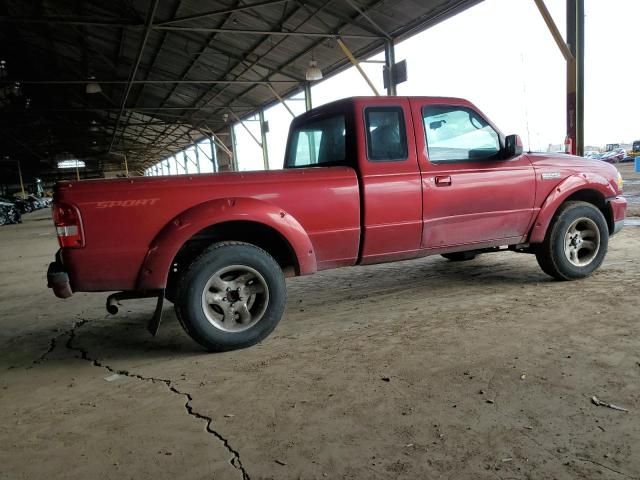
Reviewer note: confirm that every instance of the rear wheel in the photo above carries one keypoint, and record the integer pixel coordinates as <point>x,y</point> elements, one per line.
<point>232,296</point>
<point>576,242</point>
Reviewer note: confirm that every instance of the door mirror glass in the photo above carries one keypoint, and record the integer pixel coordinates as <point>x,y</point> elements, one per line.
<point>513,146</point>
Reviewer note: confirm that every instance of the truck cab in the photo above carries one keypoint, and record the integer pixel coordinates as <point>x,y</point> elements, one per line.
<point>434,174</point>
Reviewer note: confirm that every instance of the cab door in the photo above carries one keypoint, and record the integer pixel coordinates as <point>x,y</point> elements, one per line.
<point>390,180</point>
<point>471,194</point>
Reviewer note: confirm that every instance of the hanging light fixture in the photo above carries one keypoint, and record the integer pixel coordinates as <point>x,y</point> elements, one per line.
<point>93,87</point>
<point>313,71</point>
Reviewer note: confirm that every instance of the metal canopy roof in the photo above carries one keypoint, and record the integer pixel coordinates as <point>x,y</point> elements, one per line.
<point>169,69</point>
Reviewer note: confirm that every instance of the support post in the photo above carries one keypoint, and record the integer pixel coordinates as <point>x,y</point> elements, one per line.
<point>195,147</point>
<point>263,137</point>
<point>234,150</point>
<point>214,154</point>
<point>356,64</point>
<point>221,144</point>
<point>580,77</point>
<point>21,182</point>
<point>307,96</point>
<point>389,66</point>
<point>575,75</point>
<point>573,52</point>
<point>185,160</point>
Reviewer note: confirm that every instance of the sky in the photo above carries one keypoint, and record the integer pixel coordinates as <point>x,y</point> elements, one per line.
<point>501,56</point>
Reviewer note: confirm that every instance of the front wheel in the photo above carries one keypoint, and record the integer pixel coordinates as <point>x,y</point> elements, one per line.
<point>232,296</point>
<point>576,242</point>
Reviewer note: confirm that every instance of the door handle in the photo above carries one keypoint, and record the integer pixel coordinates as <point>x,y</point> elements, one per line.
<point>443,181</point>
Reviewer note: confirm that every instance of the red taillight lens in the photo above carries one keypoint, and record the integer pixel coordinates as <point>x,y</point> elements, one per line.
<point>68,226</point>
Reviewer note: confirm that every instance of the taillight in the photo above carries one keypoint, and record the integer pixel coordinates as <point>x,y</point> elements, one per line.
<point>68,225</point>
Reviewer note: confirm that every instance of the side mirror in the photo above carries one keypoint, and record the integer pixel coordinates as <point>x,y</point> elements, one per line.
<point>513,146</point>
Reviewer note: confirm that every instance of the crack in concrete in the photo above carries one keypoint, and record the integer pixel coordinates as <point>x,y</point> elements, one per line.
<point>84,355</point>
<point>582,459</point>
<point>52,346</point>
<point>53,343</point>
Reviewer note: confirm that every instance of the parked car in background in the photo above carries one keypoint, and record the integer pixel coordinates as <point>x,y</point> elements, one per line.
<point>593,154</point>
<point>9,213</point>
<point>22,205</point>
<point>614,156</point>
<point>36,202</point>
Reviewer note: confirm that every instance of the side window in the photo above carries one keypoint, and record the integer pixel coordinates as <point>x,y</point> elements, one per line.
<point>457,134</point>
<point>318,142</point>
<point>386,134</point>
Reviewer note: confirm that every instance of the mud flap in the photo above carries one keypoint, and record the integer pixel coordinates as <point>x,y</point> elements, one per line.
<point>154,322</point>
<point>113,301</point>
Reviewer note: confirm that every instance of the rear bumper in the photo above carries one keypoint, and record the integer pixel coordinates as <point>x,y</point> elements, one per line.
<point>58,279</point>
<point>618,209</point>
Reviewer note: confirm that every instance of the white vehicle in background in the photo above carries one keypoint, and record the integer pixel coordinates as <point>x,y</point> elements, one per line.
<point>592,154</point>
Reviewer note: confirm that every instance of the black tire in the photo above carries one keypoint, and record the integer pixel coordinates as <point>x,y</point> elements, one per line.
<point>4,218</point>
<point>555,252</point>
<point>210,324</point>
<point>459,256</point>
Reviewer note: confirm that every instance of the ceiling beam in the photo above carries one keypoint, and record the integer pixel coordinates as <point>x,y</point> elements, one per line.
<point>138,82</point>
<point>268,32</point>
<point>187,70</point>
<point>301,54</point>
<point>65,20</point>
<point>224,11</point>
<point>260,43</point>
<point>366,16</point>
<point>148,24</point>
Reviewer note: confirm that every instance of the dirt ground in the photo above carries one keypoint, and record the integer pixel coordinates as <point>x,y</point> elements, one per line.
<point>416,370</point>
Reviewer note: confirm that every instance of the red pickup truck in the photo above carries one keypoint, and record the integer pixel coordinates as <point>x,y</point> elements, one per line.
<point>365,180</point>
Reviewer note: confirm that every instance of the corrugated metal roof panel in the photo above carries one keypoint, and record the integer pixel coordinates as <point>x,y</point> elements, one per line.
<point>70,40</point>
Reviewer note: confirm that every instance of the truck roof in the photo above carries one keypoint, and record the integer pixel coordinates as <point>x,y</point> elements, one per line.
<point>342,103</point>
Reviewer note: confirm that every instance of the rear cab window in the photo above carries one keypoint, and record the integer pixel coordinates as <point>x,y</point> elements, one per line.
<point>458,134</point>
<point>386,134</point>
<point>319,142</point>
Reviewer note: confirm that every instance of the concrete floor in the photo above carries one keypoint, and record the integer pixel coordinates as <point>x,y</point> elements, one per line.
<point>422,369</point>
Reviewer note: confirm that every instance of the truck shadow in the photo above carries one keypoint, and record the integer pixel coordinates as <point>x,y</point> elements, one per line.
<point>124,338</point>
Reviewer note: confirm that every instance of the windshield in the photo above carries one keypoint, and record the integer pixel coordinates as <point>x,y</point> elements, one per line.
<point>319,142</point>
<point>636,146</point>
